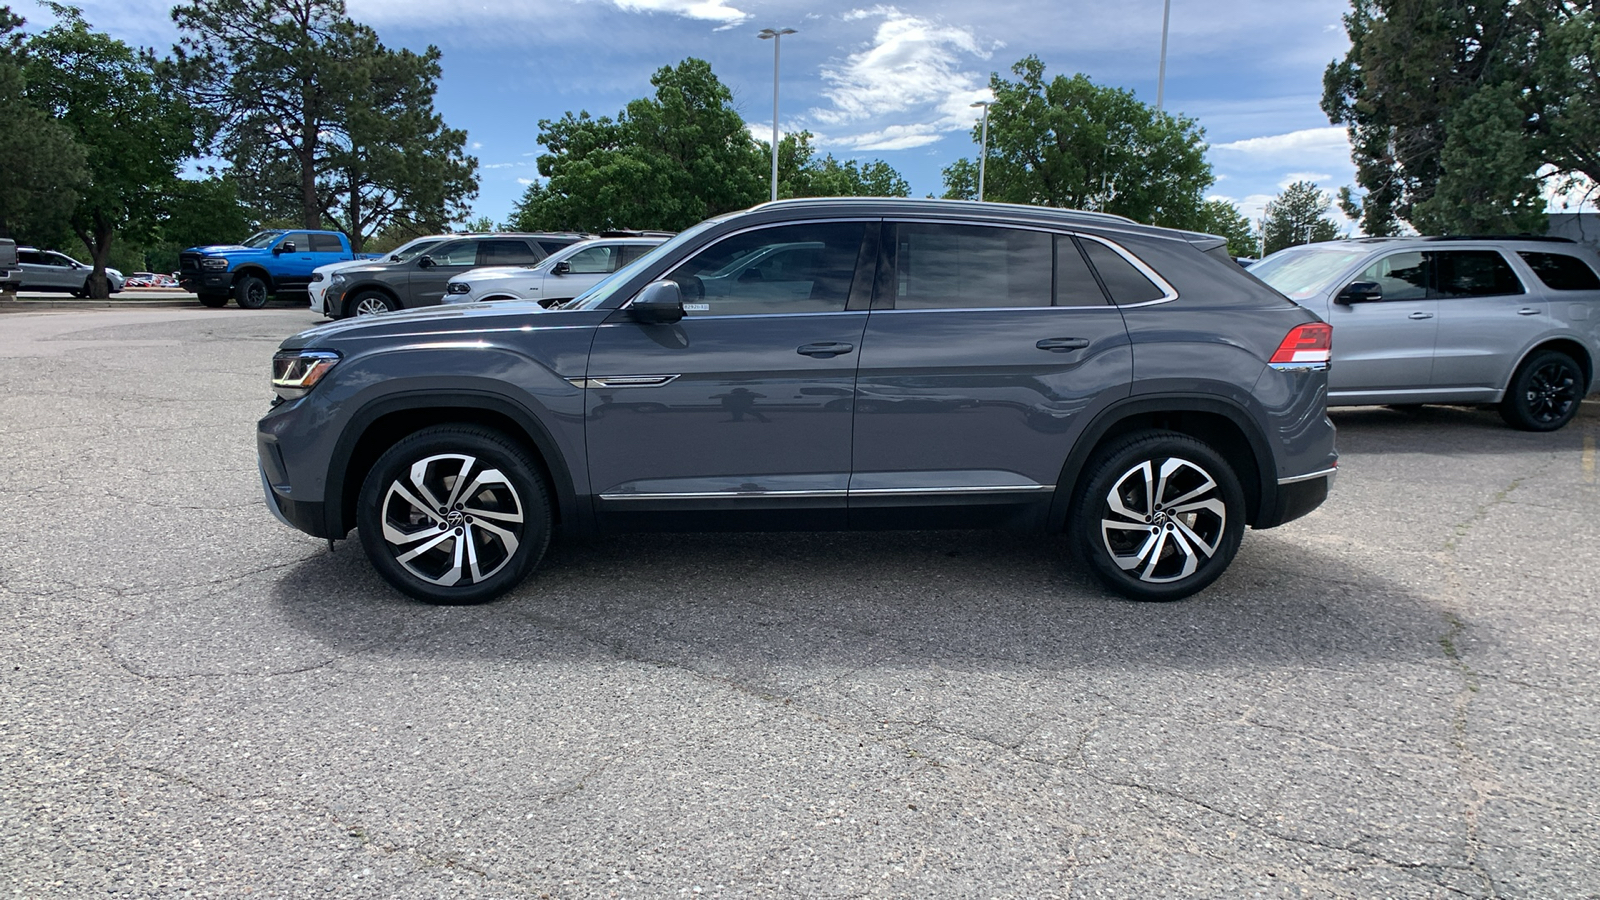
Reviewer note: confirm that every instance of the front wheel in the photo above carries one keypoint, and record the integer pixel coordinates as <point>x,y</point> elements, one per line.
<point>1160,516</point>
<point>1544,394</point>
<point>454,514</point>
<point>250,292</point>
<point>371,303</point>
<point>213,301</point>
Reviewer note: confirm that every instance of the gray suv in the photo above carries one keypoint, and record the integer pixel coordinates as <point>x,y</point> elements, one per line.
<point>823,364</point>
<point>396,284</point>
<point>1511,322</point>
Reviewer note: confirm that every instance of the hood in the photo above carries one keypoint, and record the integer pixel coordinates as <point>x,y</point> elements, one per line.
<point>340,266</point>
<point>442,319</point>
<point>217,249</point>
<point>493,272</point>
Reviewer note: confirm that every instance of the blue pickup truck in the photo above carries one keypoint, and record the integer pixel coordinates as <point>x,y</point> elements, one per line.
<point>274,261</point>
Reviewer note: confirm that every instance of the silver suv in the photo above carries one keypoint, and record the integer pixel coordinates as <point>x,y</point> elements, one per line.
<point>1508,321</point>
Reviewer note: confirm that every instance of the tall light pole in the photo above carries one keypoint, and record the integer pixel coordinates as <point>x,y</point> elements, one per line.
<point>777,38</point>
<point>983,147</point>
<point>1161,79</point>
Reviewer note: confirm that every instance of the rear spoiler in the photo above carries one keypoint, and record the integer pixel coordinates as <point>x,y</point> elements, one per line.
<point>1210,244</point>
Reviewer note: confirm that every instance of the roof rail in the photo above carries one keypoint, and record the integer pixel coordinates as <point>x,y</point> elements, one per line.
<point>1500,237</point>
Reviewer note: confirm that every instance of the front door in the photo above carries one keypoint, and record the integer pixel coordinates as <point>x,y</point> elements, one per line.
<point>976,372</point>
<point>431,272</point>
<point>741,411</point>
<point>1383,350</point>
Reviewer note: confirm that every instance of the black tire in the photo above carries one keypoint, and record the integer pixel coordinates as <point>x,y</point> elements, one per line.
<point>214,301</point>
<point>82,292</point>
<point>392,527</point>
<point>1545,392</point>
<point>250,292</point>
<point>1207,537</point>
<point>370,303</point>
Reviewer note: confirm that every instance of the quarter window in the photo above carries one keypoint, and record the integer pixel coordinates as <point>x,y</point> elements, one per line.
<point>1075,284</point>
<point>1123,280</point>
<point>789,269</point>
<point>971,267</point>
<point>1401,276</point>
<point>1561,272</point>
<point>1474,273</point>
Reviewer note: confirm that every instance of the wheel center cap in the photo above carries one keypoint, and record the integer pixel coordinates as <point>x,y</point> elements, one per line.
<point>455,519</point>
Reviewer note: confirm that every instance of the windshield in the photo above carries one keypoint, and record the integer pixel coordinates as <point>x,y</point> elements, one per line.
<point>602,292</point>
<point>1300,273</point>
<point>415,249</point>
<point>261,240</point>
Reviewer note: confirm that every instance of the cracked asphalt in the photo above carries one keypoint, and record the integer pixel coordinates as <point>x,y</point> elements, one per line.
<point>1397,696</point>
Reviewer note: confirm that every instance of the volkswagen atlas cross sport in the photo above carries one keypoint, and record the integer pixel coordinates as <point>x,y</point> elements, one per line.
<point>823,364</point>
<point>1508,322</point>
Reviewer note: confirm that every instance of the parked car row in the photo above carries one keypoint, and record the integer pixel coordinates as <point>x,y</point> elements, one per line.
<point>47,270</point>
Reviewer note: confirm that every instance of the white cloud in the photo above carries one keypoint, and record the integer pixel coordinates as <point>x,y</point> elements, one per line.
<point>496,165</point>
<point>477,145</point>
<point>1331,139</point>
<point>711,10</point>
<point>1320,179</point>
<point>525,181</point>
<point>911,75</point>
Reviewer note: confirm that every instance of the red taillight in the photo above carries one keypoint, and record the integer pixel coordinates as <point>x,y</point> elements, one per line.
<point>1306,345</point>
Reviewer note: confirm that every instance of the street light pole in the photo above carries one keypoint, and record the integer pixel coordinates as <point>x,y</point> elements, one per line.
<point>777,38</point>
<point>1161,79</point>
<point>983,147</point>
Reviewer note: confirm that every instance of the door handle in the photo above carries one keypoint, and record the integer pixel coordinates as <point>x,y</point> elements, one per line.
<point>1062,345</point>
<point>1527,311</point>
<point>824,350</point>
<point>1420,315</point>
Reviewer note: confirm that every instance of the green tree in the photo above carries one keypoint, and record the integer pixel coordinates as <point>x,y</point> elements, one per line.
<point>1070,143</point>
<point>320,121</point>
<point>1298,216</point>
<point>41,165</point>
<point>1454,110</point>
<point>1222,218</point>
<point>133,127</point>
<point>665,162</point>
<point>802,173</point>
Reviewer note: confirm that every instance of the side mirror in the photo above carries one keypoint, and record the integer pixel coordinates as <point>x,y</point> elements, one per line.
<point>1359,292</point>
<point>660,303</point>
<point>561,268</point>
<point>285,247</point>
<point>425,262</point>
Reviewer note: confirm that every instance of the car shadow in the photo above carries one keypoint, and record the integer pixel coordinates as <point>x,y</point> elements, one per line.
<point>1452,430</point>
<point>743,602</point>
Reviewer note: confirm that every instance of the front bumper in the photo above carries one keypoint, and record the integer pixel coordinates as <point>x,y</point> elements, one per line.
<point>206,282</point>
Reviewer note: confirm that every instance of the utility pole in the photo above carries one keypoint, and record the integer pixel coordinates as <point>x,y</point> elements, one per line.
<point>777,38</point>
<point>983,146</point>
<point>1161,79</point>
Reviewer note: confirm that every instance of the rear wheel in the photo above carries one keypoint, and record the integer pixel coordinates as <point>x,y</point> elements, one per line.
<point>454,514</point>
<point>250,292</point>
<point>1545,393</point>
<point>1160,516</point>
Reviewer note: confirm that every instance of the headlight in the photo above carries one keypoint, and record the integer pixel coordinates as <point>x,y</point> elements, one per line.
<point>214,262</point>
<point>296,372</point>
<point>336,280</point>
<point>316,277</point>
<point>458,287</point>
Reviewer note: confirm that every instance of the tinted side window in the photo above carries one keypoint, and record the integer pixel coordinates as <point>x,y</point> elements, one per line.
<point>789,269</point>
<point>325,243</point>
<point>301,241</point>
<point>1075,284</point>
<point>1474,273</point>
<point>631,252</point>
<point>1401,276</point>
<point>507,253</point>
<point>551,246</point>
<point>1123,281</point>
<point>971,267</point>
<point>1561,272</point>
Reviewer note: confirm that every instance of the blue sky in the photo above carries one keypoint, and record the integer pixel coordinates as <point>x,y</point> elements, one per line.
<point>872,81</point>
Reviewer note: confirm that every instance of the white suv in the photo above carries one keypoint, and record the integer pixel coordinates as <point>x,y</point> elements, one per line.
<point>1508,321</point>
<point>561,276</point>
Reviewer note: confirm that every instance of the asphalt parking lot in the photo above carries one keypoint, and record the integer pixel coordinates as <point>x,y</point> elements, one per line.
<point>1397,696</point>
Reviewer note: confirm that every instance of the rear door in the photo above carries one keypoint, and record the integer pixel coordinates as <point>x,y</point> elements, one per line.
<point>1383,350</point>
<point>1487,316</point>
<point>985,346</point>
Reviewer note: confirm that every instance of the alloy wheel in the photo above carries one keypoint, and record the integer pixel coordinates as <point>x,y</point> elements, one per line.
<point>1552,390</point>
<point>452,520</point>
<point>1162,518</point>
<point>371,306</point>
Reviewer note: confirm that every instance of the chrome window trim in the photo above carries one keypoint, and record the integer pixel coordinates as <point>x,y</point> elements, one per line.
<point>1169,293</point>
